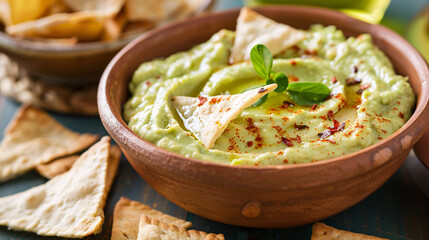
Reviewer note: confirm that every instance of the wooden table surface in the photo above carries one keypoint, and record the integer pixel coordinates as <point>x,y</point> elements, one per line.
<point>398,210</point>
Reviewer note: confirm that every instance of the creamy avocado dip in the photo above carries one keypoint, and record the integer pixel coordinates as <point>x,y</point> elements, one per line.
<point>368,101</point>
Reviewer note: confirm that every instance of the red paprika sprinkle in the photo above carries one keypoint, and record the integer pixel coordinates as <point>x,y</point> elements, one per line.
<point>287,141</point>
<point>330,114</point>
<point>286,104</point>
<point>300,127</point>
<point>201,100</point>
<point>363,88</point>
<point>352,81</point>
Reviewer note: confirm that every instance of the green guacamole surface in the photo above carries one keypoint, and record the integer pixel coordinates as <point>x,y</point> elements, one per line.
<point>368,100</point>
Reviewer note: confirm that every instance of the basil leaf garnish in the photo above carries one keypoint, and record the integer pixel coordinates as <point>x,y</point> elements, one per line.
<point>304,93</point>
<point>308,93</point>
<point>282,82</point>
<point>262,60</point>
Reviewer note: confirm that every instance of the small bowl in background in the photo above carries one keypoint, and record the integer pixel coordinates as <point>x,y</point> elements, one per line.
<point>78,64</point>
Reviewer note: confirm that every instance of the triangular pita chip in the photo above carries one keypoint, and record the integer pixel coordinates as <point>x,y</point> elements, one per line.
<point>69,205</point>
<point>150,228</point>
<point>56,167</point>
<point>253,29</point>
<point>85,26</point>
<point>208,117</point>
<point>32,138</point>
<point>324,232</point>
<point>126,217</point>
<point>114,26</point>
<point>152,10</point>
<point>62,165</point>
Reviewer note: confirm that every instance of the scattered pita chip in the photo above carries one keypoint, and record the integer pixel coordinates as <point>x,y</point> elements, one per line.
<point>33,138</point>
<point>324,232</point>
<point>69,205</point>
<point>56,167</point>
<point>150,228</point>
<point>126,217</point>
<point>62,165</point>
<point>253,29</point>
<point>208,117</point>
<point>85,26</point>
<point>91,5</point>
<point>152,10</point>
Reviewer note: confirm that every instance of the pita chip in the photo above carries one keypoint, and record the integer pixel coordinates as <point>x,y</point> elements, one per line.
<point>253,29</point>
<point>150,228</point>
<point>56,167</point>
<point>62,165</point>
<point>18,11</point>
<point>208,117</point>
<point>152,10</point>
<point>126,217</point>
<point>114,26</point>
<point>33,138</point>
<point>324,232</point>
<point>69,205</point>
<point>85,26</point>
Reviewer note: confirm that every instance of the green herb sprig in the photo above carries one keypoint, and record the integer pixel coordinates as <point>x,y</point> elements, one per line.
<point>304,93</point>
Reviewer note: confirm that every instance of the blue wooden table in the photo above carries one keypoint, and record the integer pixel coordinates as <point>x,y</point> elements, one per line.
<point>398,210</point>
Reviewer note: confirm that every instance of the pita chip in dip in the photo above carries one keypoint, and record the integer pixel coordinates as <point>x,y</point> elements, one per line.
<point>253,29</point>
<point>208,117</point>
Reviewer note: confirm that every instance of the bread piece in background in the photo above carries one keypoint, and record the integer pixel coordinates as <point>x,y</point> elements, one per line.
<point>85,26</point>
<point>152,10</point>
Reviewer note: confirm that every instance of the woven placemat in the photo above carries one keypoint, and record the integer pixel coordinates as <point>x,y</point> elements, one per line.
<point>18,85</point>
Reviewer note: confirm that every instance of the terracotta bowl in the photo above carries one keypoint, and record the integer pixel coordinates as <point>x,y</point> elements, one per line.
<point>266,197</point>
<point>78,64</point>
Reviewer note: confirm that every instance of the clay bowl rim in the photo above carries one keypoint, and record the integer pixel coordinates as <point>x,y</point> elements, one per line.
<point>112,118</point>
<point>26,46</point>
